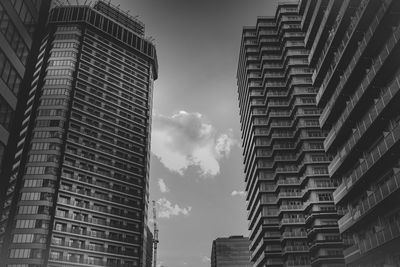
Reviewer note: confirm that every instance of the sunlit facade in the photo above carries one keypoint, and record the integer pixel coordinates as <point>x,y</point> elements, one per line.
<point>78,192</point>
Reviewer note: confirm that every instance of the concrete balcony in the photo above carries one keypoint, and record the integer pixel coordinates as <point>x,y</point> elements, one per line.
<point>370,204</point>
<point>351,108</point>
<point>379,152</point>
<point>351,34</point>
<point>389,233</point>
<point>354,63</point>
<point>296,249</point>
<point>366,123</point>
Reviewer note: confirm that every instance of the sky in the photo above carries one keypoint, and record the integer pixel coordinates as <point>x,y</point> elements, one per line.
<point>196,169</point>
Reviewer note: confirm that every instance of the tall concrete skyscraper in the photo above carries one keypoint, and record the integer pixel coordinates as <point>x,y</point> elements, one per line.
<point>21,28</point>
<point>357,74</point>
<point>291,213</point>
<point>78,191</point>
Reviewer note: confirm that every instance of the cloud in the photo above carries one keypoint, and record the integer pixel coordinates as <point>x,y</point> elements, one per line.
<point>185,139</point>
<point>205,259</point>
<point>166,209</point>
<point>238,193</point>
<point>163,187</point>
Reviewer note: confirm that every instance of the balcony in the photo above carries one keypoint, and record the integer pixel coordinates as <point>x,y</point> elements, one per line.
<point>386,144</point>
<point>297,263</point>
<point>350,70</point>
<point>365,124</point>
<point>371,203</point>
<point>296,249</point>
<point>389,233</point>
<point>350,34</point>
<point>293,221</point>
<point>333,35</point>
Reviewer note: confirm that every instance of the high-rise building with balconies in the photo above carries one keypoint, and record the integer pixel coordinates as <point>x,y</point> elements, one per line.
<point>291,213</point>
<point>357,75</point>
<point>78,191</point>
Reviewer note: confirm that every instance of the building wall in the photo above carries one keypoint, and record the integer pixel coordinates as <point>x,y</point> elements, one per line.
<point>21,27</point>
<point>232,251</point>
<point>357,77</point>
<point>80,176</point>
<point>291,213</point>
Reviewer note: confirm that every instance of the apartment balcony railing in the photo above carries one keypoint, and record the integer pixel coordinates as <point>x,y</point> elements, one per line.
<point>371,159</point>
<point>354,61</point>
<point>350,32</point>
<point>376,198</point>
<point>290,194</point>
<point>365,123</point>
<point>293,221</point>
<point>366,84</point>
<point>389,232</point>
<point>296,249</point>
<point>299,263</point>
<point>294,235</point>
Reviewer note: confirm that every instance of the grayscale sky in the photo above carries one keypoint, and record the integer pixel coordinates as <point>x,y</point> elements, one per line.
<point>196,173</point>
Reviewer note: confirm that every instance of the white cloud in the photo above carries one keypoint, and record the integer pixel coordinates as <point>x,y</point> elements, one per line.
<point>166,209</point>
<point>163,187</point>
<point>205,259</point>
<point>238,193</point>
<point>185,139</point>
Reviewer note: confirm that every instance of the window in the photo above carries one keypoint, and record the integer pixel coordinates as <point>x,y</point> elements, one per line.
<point>20,253</point>
<point>25,224</point>
<point>325,197</point>
<point>28,209</point>
<point>23,238</point>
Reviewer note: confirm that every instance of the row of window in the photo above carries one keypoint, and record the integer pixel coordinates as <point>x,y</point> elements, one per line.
<point>40,170</point>
<point>125,99</point>
<point>56,91</point>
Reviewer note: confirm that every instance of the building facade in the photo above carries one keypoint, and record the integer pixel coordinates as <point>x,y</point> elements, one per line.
<point>358,81</point>
<point>78,191</point>
<point>21,28</point>
<point>230,251</point>
<point>291,213</point>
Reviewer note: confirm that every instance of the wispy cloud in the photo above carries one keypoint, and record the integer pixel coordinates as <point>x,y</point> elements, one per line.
<point>238,193</point>
<point>163,187</point>
<point>186,139</point>
<point>166,209</point>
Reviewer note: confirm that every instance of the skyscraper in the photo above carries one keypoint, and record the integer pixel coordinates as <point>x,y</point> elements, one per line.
<point>21,27</point>
<point>78,191</point>
<point>230,251</point>
<point>291,213</point>
<point>358,82</point>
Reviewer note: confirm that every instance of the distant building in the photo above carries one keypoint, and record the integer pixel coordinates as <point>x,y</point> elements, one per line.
<point>231,251</point>
<point>78,191</point>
